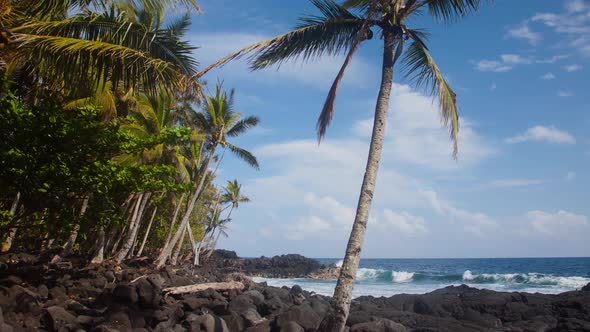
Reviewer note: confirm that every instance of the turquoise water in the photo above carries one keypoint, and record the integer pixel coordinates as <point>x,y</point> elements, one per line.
<point>386,277</point>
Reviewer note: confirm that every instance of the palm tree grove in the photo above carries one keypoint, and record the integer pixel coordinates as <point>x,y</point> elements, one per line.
<point>140,137</point>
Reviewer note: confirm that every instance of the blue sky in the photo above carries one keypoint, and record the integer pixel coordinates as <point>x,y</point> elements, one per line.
<point>520,184</point>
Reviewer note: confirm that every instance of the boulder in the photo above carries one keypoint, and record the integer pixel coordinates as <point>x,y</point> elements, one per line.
<point>381,325</point>
<point>205,323</point>
<point>149,291</point>
<point>292,327</point>
<point>125,293</point>
<point>57,318</point>
<point>303,315</point>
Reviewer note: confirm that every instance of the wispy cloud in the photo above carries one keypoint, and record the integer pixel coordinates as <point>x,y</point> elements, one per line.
<point>523,31</point>
<point>512,183</point>
<point>492,65</point>
<point>572,68</point>
<point>565,94</point>
<point>507,62</point>
<point>573,23</point>
<point>548,76</point>
<point>554,223</point>
<point>543,134</point>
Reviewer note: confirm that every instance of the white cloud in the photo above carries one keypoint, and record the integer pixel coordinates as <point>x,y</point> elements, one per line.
<point>511,183</point>
<point>318,73</point>
<point>565,94</point>
<point>542,133</point>
<point>548,76</point>
<point>573,24</point>
<point>572,68</point>
<point>477,223</point>
<point>492,65</point>
<point>555,223</point>
<point>507,62</point>
<point>415,135</point>
<point>404,222</point>
<point>523,31</point>
<point>575,6</point>
<point>515,59</point>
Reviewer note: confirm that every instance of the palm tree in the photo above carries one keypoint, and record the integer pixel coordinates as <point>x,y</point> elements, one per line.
<point>218,121</point>
<point>103,40</point>
<point>232,195</point>
<point>343,28</point>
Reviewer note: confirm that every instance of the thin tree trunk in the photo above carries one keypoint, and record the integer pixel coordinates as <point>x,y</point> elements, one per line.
<point>122,253</point>
<point>99,255</point>
<point>147,231</point>
<point>69,245</point>
<point>174,218</point>
<point>129,219</point>
<point>336,319</point>
<point>145,205</point>
<point>191,239</point>
<point>12,233</point>
<point>167,250</point>
<point>177,249</point>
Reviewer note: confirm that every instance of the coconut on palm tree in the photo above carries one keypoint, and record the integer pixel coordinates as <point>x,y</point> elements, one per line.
<point>218,121</point>
<point>342,29</point>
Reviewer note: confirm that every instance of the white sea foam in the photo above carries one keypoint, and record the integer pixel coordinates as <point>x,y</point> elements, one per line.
<point>467,276</point>
<point>368,274</point>
<point>339,263</point>
<point>532,279</point>
<point>402,276</point>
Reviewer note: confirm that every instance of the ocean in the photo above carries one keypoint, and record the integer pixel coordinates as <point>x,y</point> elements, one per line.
<point>387,277</point>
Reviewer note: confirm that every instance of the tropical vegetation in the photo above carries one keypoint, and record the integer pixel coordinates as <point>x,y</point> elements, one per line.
<point>111,145</point>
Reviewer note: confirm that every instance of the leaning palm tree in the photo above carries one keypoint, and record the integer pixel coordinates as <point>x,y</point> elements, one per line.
<point>342,29</point>
<point>218,121</point>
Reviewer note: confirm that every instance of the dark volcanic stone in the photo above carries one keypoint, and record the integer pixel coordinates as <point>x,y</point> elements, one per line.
<point>300,314</point>
<point>57,318</point>
<point>382,325</point>
<point>205,323</point>
<point>125,293</point>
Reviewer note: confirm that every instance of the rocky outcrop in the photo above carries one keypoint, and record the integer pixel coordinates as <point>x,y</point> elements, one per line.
<point>108,297</point>
<point>284,266</point>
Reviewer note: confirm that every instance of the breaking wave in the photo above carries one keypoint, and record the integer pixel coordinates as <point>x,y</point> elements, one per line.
<point>468,277</point>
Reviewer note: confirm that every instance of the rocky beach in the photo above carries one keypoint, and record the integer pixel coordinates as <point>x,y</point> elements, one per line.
<point>36,295</point>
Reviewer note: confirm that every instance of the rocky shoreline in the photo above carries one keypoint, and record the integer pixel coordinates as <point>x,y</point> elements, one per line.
<point>70,296</point>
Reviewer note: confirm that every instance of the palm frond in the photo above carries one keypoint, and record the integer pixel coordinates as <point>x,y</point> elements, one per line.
<point>55,56</point>
<point>243,125</point>
<point>331,33</point>
<point>449,10</point>
<point>245,155</point>
<point>420,66</point>
<point>328,110</point>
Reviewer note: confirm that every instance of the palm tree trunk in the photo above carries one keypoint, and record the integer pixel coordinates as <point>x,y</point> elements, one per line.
<point>218,234</point>
<point>133,227</point>
<point>147,231</point>
<point>174,218</point>
<point>167,250</point>
<point>69,245</point>
<point>131,207</point>
<point>336,319</point>
<point>8,242</point>
<point>191,239</point>
<point>100,244</point>
<point>177,249</point>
